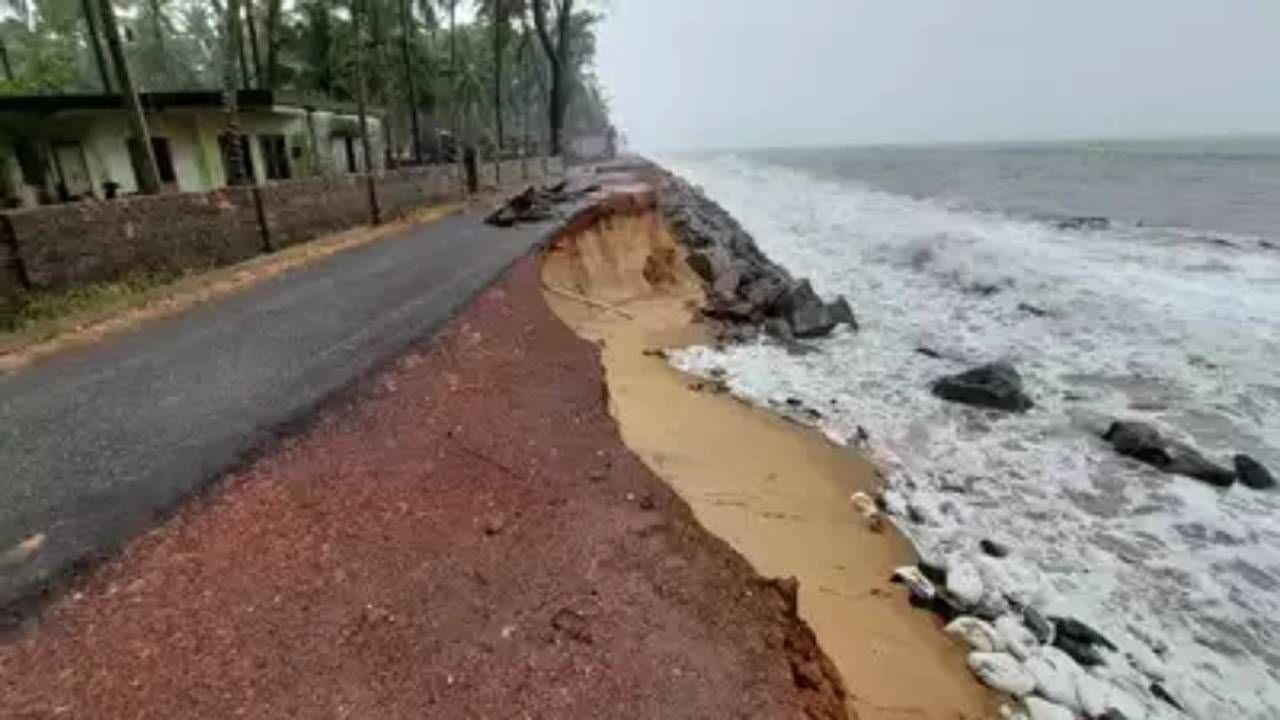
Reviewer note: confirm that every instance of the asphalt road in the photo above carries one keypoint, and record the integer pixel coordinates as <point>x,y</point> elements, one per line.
<point>96,443</point>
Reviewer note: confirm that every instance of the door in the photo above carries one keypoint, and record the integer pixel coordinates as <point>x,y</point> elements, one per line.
<point>73,171</point>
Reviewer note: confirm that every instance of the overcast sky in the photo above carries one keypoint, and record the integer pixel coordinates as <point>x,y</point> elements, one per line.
<point>739,73</point>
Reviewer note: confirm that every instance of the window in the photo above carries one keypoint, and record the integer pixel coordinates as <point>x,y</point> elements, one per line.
<point>246,159</point>
<point>275,156</point>
<point>164,160</point>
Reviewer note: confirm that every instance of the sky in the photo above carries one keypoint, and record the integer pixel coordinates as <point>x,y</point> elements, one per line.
<point>762,73</point>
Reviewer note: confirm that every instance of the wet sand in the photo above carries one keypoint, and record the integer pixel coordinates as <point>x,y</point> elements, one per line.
<point>778,493</point>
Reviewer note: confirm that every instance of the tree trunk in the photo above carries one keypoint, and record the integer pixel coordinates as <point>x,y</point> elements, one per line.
<point>4,60</point>
<point>143,154</point>
<point>406,38</point>
<point>238,32</point>
<point>157,28</point>
<point>95,42</point>
<point>232,51</point>
<point>453,67</point>
<point>357,11</point>
<point>558,53</point>
<point>254,52</point>
<point>273,43</point>
<point>499,18</point>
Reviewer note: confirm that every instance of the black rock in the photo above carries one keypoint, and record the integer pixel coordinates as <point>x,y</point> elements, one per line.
<point>929,352</point>
<point>811,321</point>
<point>1083,653</point>
<point>1140,441</point>
<point>1188,461</point>
<point>1083,223</point>
<point>842,313</point>
<point>936,574</point>
<point>1038,625</point>
<point>1158,690</point>
<point>993,548</point>
<point>1252,474</point>
<point>1143,442</point>
<point>1076,630</point>
<point>944,608</point>
<point>996,385</point>
<point>1113,714</point>
<point>807,314</point>
<point>707,264</point>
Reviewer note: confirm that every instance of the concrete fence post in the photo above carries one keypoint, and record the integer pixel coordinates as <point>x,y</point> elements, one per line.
<point>260,212</point>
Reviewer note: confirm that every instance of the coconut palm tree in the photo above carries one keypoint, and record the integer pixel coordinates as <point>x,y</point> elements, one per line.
<point>140,144</point>
<point>234,144</point>
<point>95,43</point>
<point>558,49</point>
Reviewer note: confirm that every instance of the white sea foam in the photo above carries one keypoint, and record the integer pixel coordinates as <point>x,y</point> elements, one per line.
<point>1138,322</point>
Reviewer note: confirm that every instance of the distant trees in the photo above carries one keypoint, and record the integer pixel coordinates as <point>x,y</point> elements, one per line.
<point>504,75</point>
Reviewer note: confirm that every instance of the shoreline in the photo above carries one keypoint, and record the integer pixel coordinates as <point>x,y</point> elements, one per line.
<point>777,492</point>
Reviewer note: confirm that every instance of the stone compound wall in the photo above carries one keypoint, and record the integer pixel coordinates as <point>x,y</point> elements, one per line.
<point>64,245</point>
<point>300,210</point>
<point>401,191</point>
<point>60,246</point>
<point>10,277</point>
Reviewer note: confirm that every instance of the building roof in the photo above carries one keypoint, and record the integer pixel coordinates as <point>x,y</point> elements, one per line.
<point>156,101</point>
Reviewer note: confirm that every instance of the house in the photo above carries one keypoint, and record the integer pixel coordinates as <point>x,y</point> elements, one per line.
<point>61,148</point>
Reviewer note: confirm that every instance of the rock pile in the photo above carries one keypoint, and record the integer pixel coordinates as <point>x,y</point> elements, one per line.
<point>1055,667</point>
<point>536,204</point>
<point>743,285</point>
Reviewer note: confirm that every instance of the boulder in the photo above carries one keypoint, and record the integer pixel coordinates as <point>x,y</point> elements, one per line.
<point>1141,441</point>
<point>1253,474</point>
<point>993,549</point>
<point>1017,639</point>
<point>1072,628</point>
<point>708,263</point>
<point>995,385</point>
<point>1002,672</point>
<point>1083,223</point>
<point>1138,440</point>
<point>964,583</point>
<point>1039,709</point>
<point>977,634</point>
<point>1056,677</point>
<point>1188,461</point>
<point>842,313</point>
<point>811,321</point>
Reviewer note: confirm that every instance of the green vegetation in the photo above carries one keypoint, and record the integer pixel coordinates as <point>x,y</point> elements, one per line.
<point>513,74</point>
<point>39,308</point>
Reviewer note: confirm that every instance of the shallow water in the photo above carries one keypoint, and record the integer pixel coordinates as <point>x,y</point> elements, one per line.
<point>1178,325</point>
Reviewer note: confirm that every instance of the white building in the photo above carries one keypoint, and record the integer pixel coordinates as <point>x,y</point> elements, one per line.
<point>60,148</point>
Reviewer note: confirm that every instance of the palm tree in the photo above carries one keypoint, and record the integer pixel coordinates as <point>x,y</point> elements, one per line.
<point>254,54</point>
<point>144,156</point>
<point>273,43</point>
<point>559,52</point>
<point>358,9</point>
<point>95,42</point>
<point>234,147</point>
<point>406,40</point>
<point>498,14</point>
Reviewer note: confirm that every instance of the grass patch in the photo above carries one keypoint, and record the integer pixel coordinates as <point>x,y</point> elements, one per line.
<point>41,307</point>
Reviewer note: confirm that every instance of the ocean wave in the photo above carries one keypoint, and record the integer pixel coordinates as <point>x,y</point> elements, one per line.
<point>1128,321</point>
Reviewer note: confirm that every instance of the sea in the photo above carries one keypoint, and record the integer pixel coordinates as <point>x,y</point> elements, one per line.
<point>1123,279</point>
